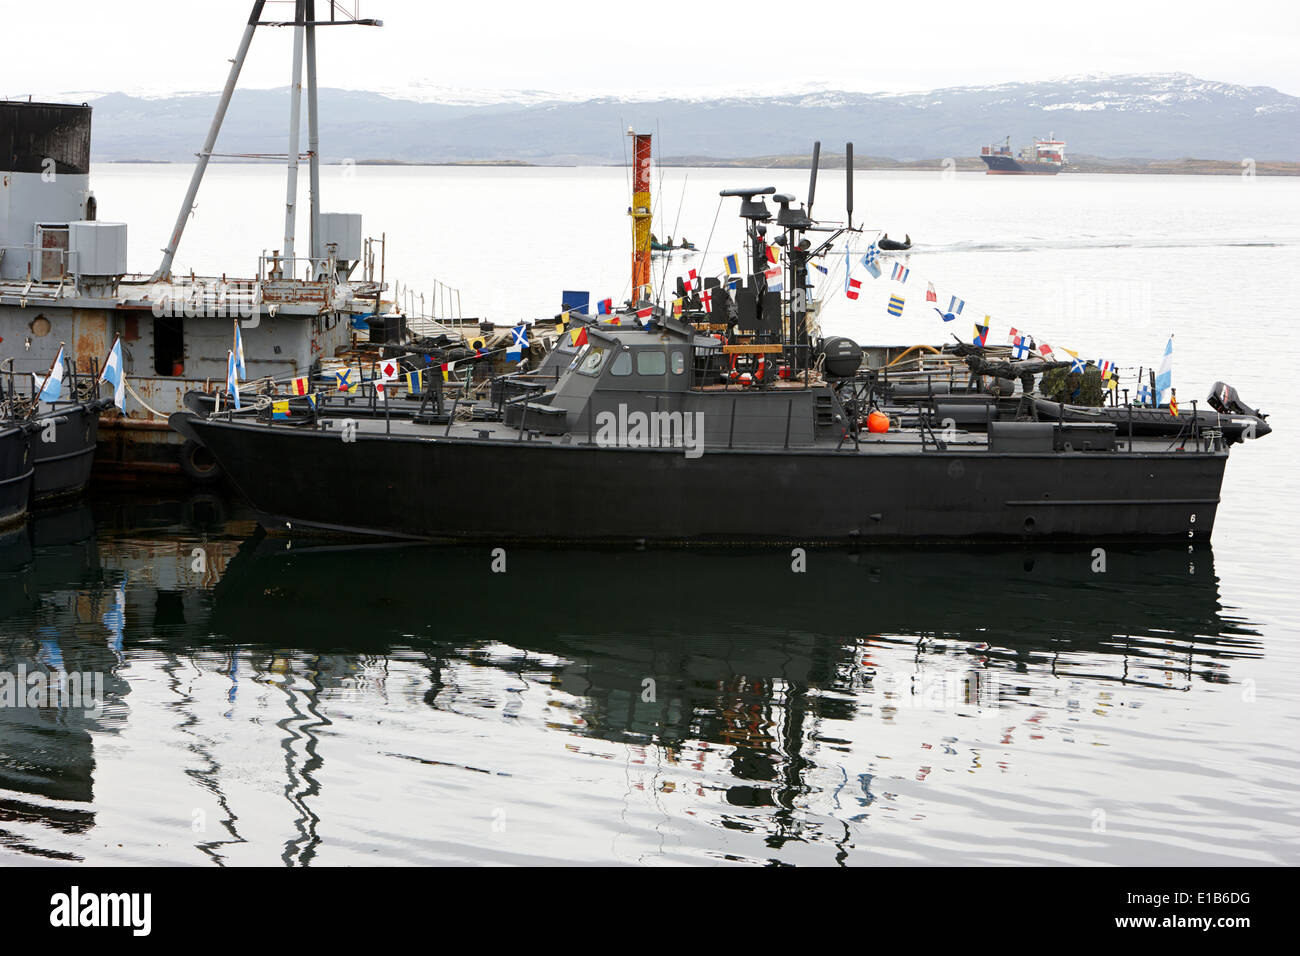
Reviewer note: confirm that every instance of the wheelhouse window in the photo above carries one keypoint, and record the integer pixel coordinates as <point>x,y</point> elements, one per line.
<point>651,362</point>
<point>678,362</point>
<point>592,361</point>
<point>622,364</point>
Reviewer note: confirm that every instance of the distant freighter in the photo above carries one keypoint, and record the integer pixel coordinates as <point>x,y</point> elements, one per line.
<point>1045,158</point>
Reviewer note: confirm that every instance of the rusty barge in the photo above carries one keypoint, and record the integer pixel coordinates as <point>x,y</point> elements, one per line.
<point>64,278</point>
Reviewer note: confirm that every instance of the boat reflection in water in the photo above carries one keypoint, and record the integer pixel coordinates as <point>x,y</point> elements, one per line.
<point>752,694</point>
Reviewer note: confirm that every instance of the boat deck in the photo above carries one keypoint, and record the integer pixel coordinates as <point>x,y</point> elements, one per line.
<point>895,442</point>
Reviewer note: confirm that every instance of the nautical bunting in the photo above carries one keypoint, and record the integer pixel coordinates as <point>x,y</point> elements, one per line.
<point>280,409</point>
<point>415,381</point>
<point>1144,395</point>
<point>343,378</point>
<point>732,263</point>
<point>869,261</point>
<point>645,313</point>
<point>1023,345</point>
<point>604,306</point>
<point>520,333</point>
<point>773,254</point>
<point>706,300</point>
<point>775,280</point>
<point>298,386</point>
<point>578,336</point>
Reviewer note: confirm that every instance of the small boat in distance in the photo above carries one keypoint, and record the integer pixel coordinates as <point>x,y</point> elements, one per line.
<point>885,244</point>
<point>1045,158</point>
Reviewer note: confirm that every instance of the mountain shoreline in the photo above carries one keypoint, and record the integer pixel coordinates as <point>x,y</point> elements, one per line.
<point>1163,118</point>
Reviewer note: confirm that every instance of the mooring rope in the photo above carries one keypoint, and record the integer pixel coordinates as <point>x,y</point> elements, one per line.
<point>136,395</point>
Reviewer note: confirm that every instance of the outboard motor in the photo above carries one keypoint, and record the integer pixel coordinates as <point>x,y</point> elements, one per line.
<point>841,357</point>
<point>1223,398</point>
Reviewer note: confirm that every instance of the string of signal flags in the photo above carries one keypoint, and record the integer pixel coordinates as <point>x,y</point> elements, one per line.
<point>1023,344</point>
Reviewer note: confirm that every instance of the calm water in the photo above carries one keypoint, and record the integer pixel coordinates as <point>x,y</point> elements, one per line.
<point>286,702</point>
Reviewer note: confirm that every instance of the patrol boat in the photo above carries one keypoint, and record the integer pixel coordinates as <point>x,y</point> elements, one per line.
<point>728,423</point>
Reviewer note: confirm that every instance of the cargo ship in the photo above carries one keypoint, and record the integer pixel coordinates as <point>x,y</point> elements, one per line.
<point>1045,158</point>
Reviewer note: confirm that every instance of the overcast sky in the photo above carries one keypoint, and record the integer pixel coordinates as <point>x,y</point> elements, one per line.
<point>688,47</point>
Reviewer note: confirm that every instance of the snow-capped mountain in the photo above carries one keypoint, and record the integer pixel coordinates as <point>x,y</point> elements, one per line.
<point>1159,116</point>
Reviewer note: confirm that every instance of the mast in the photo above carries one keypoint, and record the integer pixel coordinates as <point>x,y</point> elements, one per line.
<point>313,139</point>
<point>304,23</point>
<point>295,130</point>
<point>187,205</point>
<point>640,213</point>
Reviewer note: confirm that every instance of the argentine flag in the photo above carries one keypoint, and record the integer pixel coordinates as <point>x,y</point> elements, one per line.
<point>232,378</point>
<point>1165,377</point>
<point>52,390</point>
<point>240,367</point>
<point>112,374</point>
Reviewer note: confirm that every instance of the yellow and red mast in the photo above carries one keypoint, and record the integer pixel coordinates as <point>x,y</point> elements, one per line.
<point>640,213</point>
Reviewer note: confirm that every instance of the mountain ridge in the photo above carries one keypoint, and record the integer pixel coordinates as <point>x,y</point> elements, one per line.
<point>1164,116</point>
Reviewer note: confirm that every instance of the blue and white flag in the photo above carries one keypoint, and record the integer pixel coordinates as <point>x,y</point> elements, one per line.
<point>1144,395</point>
<point>900,272</point>
<point>240,367</point>
<point>520,340</point>
<point>53,387</point>
<point>1165,377</point>
<point>955,305</point>
<point>821,268</point>
<point>112,374</point>
<point>870,263</point>
<point>232,378</point>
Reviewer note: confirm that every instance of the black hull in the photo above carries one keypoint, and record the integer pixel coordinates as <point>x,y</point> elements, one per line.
<point>15,475</point>
<point>63,465</point>
<point>549,492</point>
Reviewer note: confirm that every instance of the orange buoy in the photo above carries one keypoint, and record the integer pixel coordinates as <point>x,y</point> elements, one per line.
<point>878,422</point>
